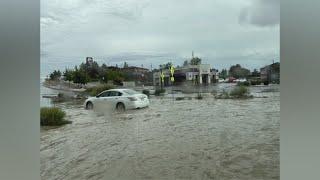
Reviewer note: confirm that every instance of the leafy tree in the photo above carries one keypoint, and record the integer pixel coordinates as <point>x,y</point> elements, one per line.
<point>166,66</point>
<point>223,74</point>
<point>102,72</point>
<point>68,75</point>
<point>91,68</point>
<point>237,71</point>
<point>255,73</point>
<point>55,75</point>
<point>115,76</point>
<point>80,76</point>
<point>195,61</point>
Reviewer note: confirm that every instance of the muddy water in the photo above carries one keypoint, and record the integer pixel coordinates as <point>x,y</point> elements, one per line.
<point>188,139</point>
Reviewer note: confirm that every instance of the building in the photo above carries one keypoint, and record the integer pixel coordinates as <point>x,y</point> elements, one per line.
<point>135,70</point>
<point>191,74</point>
<point>270,73</point>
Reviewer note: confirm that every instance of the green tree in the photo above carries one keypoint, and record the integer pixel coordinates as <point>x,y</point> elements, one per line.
<point>68,75</point>
<point>223,74</point>
<point>55,75</point>
<point>166,66</point>
<point>237,71</point>
<point>91,68</point>
<point>115,76</point>
<point>80,76</point>
<point>195,61</point>
<point>255,73</point>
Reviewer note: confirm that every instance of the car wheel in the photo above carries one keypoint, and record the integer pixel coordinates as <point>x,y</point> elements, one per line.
<point>89,105</point>
<point>120,107</point>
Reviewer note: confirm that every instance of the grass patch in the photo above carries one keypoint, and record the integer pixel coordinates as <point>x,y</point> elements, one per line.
<point>52,116</point>
<point>93,91</point>
<point>239,92</point>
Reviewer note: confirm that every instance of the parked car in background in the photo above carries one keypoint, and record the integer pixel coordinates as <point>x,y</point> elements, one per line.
<point>118,99</point>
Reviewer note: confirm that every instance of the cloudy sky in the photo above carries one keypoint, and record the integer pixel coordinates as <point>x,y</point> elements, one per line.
<point>220,32</point>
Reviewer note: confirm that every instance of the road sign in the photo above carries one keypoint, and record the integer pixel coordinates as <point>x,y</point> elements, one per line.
<point>162,76</point>
<point>172,70</point>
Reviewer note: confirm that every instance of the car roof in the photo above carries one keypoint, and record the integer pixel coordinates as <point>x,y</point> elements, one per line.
<point>120,90</point>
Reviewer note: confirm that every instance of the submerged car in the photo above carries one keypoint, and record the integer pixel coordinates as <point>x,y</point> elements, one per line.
<point>119,99</point>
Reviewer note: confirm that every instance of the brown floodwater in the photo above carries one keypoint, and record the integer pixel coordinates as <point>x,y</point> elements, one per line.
<point>188,139</point>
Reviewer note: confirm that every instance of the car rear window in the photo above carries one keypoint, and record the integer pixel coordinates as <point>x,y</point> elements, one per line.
<point>131,92</point>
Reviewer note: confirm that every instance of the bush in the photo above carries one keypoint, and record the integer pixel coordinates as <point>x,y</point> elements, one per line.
<point>223,95</point>
<point>246,83</point>
<point>239,91</point>
<point>158,92</point>
<point>255,82</point>
<point>52,116</point>
<point>179,98</point>
<point>146,92</point>
<point>266,83</point>
<point>93,91</point>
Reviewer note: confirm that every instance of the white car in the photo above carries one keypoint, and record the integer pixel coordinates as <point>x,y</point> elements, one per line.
<point>119,99</point>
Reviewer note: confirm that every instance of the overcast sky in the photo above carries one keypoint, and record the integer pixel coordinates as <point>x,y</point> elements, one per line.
<point>220,32</point>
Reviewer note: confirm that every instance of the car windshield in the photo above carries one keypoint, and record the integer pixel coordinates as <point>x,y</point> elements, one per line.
<point>131,92</point>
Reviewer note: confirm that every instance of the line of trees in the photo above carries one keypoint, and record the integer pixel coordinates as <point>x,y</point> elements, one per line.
<point>89,72</point>
<point>237,71</point>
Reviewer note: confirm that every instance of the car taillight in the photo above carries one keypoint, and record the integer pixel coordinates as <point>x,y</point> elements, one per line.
<point>132,98</point>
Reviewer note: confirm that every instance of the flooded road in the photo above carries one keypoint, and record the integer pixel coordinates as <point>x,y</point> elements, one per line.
<point>188,139</point>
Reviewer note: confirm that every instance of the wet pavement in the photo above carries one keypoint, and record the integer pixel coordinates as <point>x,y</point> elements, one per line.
<point>188,139</point>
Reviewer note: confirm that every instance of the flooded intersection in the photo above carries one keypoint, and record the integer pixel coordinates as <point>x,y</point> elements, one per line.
<point>188,139</point>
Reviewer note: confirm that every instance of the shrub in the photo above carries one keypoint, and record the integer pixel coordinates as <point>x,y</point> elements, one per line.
<point>246,83</point>
<point>223,95</point>
<point>255,82</point>
<point>93,91</point>
<point>266,83</point>
<point>146,92</point>
<point>179,98</point>
<point>52,116</point>
<point>239,91</point>
<point>158,92</point>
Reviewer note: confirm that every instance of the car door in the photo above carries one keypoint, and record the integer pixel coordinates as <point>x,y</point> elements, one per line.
<point>102,98</point>
<point>114,97</point>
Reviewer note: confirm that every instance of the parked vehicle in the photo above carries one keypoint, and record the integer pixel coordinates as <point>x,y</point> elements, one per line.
<point>119,99</point>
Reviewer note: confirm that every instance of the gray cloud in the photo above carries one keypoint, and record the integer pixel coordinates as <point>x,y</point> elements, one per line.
<point>261,13</point>
<point>155,31</point>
